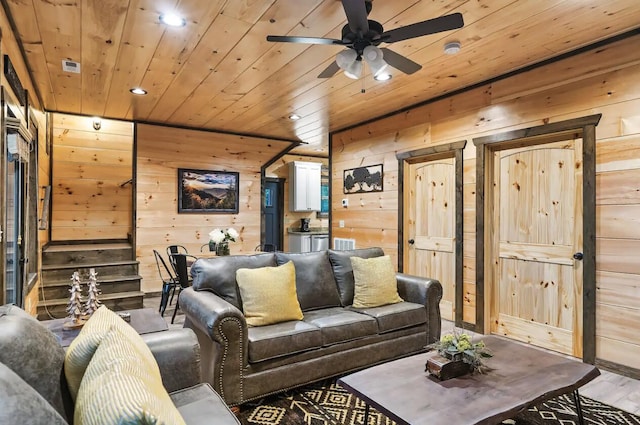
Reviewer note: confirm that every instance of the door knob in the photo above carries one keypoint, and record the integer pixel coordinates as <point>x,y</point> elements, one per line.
<point>411,241</point>
<point>578,256</point>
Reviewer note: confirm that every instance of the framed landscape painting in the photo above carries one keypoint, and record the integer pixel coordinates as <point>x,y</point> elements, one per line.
<point>204,191</point>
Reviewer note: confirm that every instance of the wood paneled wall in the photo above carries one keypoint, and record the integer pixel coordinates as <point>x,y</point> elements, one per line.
<point>160,152</point>
<point>280,169</point>
<point>90,197</point>
<point>9,47</point>
<point>603,80</point>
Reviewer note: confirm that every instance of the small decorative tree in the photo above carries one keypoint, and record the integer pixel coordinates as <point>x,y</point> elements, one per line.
<point>74,307</point>
<point>93,290</point>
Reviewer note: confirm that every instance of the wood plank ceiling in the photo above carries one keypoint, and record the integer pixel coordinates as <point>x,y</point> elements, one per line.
<point>218,72</point>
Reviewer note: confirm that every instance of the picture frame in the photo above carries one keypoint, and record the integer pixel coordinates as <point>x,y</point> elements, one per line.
<point>363,179</point>
<point>208,191</point>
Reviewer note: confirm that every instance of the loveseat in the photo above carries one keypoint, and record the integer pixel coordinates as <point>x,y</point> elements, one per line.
<point>34,390</point>
<point>331,336</point>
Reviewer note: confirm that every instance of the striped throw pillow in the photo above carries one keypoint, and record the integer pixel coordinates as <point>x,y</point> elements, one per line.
<point>121,386</point>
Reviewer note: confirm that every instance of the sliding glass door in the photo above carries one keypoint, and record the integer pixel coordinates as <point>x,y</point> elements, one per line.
<point>16,201</point>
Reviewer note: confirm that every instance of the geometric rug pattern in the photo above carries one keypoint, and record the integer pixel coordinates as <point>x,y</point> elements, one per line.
<point>326,403</point>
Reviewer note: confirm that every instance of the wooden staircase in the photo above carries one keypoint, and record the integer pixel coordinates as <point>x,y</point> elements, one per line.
<point>116,271</point>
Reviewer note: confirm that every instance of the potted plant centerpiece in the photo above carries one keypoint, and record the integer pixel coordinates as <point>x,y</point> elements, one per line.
<point>457,354</point>
<point>220,239</point>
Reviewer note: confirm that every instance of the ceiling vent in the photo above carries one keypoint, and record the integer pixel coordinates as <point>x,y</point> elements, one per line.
<point>71,66</point>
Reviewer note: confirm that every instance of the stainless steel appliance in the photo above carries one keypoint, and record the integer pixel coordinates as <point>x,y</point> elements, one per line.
<point>319,242</point>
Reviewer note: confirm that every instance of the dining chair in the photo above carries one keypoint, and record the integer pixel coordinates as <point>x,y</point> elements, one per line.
<point>267,247</point>
<point>175,249</point>
<point>169,281</point>
<point>182,265</point>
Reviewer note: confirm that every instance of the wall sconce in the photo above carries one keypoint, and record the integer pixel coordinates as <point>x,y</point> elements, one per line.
<point>97,123</point>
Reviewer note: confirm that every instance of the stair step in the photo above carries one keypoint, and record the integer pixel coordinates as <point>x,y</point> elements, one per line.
<point>61,272</point>
<point>107,284</point>
<point>87,266</point>
<point>86,253</point>
<point>116,301</point>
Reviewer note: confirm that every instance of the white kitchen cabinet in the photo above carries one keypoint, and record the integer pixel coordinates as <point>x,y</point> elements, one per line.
<point>299,243</point>
<point>304,186</point>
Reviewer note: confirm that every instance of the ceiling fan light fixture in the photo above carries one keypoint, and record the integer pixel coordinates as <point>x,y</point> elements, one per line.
<point>383,76</point>
<point>374,58</point>
<point>452,47</point>
<point>354,70</point>
<point>346,58</point>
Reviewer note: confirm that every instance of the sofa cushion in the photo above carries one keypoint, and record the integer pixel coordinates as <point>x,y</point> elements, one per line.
<point>343,272</point>
<point>314,279</point>
<point>20,403</point>
<point>201,405</point>
<point>122,385</point>
<point>375,282</point>
<point>268,342</point>
<point>268,294</point>
<point>218,275</point>
<point>82,349</point>
<point>338,324</point>
<point>392,317</point>
<point>38,360</point>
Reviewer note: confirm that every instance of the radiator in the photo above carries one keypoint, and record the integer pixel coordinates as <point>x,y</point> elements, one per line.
<point>342,244</point>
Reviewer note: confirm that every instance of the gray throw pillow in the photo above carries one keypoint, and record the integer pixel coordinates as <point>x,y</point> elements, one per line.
<point>315,284</point>
<point>218,274</point>
<point>343,271</point>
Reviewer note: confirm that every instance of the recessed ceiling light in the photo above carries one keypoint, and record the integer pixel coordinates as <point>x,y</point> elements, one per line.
<point>294,117</point>
<point>452,47</point>
<point>382,77</point>
<point>138,90</point>
<point>173,20</point>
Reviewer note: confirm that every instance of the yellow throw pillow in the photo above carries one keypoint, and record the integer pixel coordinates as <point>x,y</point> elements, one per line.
<point>82,349</point>
<point>121,386</point>
<point>375,282</point>
<point>269,294</point>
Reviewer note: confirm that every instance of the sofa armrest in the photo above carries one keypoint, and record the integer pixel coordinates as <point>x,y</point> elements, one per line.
<point>178,355</point>
<point>221,329</point>
<point>427,292</point>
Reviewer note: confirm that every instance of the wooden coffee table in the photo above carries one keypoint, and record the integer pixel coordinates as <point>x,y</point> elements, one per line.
<point>520,376</point>
<point>143,320</point>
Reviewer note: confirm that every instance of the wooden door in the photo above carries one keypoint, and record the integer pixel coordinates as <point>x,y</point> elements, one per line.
<point>430,239</point>
<point>536,228</point>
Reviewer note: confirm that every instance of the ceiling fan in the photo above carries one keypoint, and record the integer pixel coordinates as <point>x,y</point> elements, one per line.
<point>362,36</point>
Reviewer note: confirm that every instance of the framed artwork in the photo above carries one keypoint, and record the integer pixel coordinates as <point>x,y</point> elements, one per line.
<point>204,191</point>
<point>363,179</point>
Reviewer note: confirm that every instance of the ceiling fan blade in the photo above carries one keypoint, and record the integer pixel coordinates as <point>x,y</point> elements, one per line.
<point>356,12</point>
<point>304,40</point>
<point>330,71</point>
<point>400,62</point>
<point>431,26</point>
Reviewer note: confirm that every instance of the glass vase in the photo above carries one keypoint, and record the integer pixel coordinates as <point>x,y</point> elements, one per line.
<point>222,249</point>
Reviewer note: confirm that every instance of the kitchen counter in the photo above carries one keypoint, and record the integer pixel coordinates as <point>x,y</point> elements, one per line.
<point>312,231</point>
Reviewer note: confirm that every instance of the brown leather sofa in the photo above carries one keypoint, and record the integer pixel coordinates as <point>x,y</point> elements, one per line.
<point>33,389</point>
<point>244,363</point>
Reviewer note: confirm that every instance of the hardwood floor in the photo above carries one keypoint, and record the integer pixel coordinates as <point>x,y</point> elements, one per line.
<point>610,388</point>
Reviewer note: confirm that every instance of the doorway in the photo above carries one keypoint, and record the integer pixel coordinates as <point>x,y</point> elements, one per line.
<point>535,249</point>
<point>273,210</point>
<point>431,227</point>
<point>16,201</point>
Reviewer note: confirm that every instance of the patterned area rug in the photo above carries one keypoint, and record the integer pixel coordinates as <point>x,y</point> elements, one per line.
<point>326,403</point>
